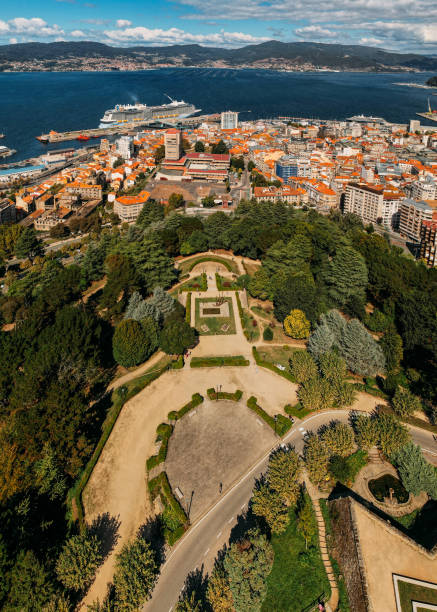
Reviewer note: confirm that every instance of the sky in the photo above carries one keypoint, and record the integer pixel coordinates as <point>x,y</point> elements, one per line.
<point>398,25</point>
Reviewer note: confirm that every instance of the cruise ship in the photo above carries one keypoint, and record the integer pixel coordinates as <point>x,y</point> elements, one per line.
<point>131,113</point>
<point>364,119</point>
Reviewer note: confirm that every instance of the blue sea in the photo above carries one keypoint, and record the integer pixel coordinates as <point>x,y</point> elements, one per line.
<point>35,103</point>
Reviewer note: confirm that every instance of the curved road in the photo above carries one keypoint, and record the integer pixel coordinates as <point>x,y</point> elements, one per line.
<point>198,548</point>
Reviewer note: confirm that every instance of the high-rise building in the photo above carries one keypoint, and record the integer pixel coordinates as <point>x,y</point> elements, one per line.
<point>290,166</point>
<point>229,120</point>
<point>412,215</point>
<point>373,204</point>
<point>428,242</point>
<point>173,144</point>
<point>125,147</point>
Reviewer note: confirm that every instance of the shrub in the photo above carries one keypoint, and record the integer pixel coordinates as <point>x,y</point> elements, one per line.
<point>268,334</point>
<point>340,469</point>
<point>253,405</point>
<point>212,362</point>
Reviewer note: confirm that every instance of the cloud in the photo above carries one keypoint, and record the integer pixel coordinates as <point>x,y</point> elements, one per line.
<point>78,34</point>
<point>34,25</point>
<point>315,32</point>
<point>177,36</point>
<point>123,23</point>
<point>13,41</point>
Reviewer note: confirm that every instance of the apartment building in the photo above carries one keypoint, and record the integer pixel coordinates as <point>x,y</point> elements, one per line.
<point>125,147</point>
<point>173,144</point>
<point>364,200</point>
<point>428,242</point>
<point>290,166</point>
<point>129,207</point>
<point>322,196</point>
<point>85,190</point>
<point>280,194</point>
<point>424,189</point>
<point>229,120</point>
<point>412,214</point>
<point>8,213</point>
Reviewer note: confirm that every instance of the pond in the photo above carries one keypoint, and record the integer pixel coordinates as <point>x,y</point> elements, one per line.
<point>380,488</point>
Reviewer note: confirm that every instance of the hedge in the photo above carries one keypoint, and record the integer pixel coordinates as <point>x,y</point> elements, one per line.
<point>411,420</point>
<point>178,363</point>
<point>163,432</point>
<point>283,424</point>
<point>223,395</point>
<point>188,309</point>
<point>297,410</point>
<point>221,284</point>
<point>253,405</point>
<point>266,364</point>
<point>161,486</point>
<point>119,397</point>
<point>226,264</point>
<point>370,390</point>
<point>196,400</point>
<point>189,286</point>
<point>211,362</point>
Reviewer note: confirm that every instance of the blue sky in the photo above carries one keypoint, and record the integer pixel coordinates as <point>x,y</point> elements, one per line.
<point>402,25</point>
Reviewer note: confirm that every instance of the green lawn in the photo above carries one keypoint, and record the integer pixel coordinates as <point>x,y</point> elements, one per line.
<point>214,324</point>
<point>412,592</point>
<point>198,283</point>
<point>298,576</point>
<point>226,284</point>
<point>277,354</point>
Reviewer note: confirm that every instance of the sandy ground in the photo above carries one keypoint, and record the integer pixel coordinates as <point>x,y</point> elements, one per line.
<point>210,447</point>
<point>118,484</point>
<point>384,554</point>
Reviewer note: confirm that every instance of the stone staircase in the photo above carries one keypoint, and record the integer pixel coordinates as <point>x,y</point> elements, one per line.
<point>375,455</point>
<point>332,604</point>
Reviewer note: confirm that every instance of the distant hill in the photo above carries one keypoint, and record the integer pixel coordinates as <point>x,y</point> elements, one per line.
<point>432,82</point>
<point>338,57</point>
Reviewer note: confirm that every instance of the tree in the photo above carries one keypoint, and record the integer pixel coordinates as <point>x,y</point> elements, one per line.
<point>188,603</point>
<point>333,367</point>
<point>118,162</point>
<point>416,473</point>
<point>199,147</point>
<point>150,213</point>
<point>316,394</point>
<point>336,323</point>
<point>60,230</point>
<point>316,457</point>
<point>283,475</point>
<point>295,291</point>
<point>321,341</point>
<point>248,562</point>
<point>346,276</point>
<point>30,587</point>
<point>176,336</point>
<point>268,504</point>
<point>366,431</point>
<point>306,523</point>
<point>303,366</point>
<point>152,263</point>
<point>28,245</point>
<point>135,574</point>
<point>78,562</point>
<point>159,154</point>
<point>219,148</point>
<point>176,200</point>
<point>48,476</point>
<point>268,334</point>
<point>404,403</point>
<point>218,591</point>
<point>392,347</point>
<point>362,353</point>
<point>138,309</point>
<point>162,301</point>
<point>338,439</point>
<point>296,325</point>
<point>392,435</point>
<point>134,342</point>
<point>340,469</point>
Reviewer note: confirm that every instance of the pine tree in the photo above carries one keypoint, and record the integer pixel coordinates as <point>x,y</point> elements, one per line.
<point>162,301</point>
<point>392,435</point>
<point>189,603</point>
<point>336,323</point>
<point>391,344</point>
<point>135,575</point>
<point>134,342</point>
<point>416,473</point>
<point>306,523</point>
<point>366,431</point>
<point>321,341</point>
<point>316,457</point>
<point>316,394</point>
<point>333,367</point>
<point>78,561</point>
<point>362,353</point>
<point>405,403</point>
<point>346,276</point>
<point>218,592</point>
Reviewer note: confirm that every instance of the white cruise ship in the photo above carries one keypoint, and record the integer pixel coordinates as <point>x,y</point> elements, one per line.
<point>131,113</point>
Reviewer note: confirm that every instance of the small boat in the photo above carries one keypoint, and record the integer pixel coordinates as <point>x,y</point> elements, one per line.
<point>2,135</point>
<point>43,138</point>
<point>83,137</point>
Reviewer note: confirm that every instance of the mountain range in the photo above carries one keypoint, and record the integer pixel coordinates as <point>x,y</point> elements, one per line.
<point>294,55</point>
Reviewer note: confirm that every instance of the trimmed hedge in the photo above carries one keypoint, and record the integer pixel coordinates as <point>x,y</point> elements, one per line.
<point>253,405</point>
<point>196,400</point>
<point>266,364</point>
<point>119,397</point>
<point>251,333</point>
<point>178,363</point>
<point>163,432</point>
<point>188,309</point>
<point>161,486</point>
<point>365,388</point>
<point>211,362</point>
<point>282,424</point>
<point>223,395</point>
<point>226,263</point>
<point>297,410</point>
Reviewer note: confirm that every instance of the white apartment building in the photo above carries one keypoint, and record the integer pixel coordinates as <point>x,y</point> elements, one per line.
<point>129,207</point>
<point>412,215</point>
<point>229,120</point>
<point>125,147</point>
<point>364,201</point>
<point>424,189</point>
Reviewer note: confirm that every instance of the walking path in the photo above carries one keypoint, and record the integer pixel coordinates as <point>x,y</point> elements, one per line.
<point>332,604</point>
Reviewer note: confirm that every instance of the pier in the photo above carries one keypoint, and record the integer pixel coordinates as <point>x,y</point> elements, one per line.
<point>125,128</point>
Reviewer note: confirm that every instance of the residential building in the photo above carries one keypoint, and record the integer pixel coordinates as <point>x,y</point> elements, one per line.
<point>366,201</point>
<point>290,166</point>
<point>413,214</point>
<point>424,189</point>
<point>8,213</point>
<point>129,207</point>
<point>125,147</point>
<point>85,191</point>
<point>428,242</point>
<point>229,120</point>
<point>173,144</point>
<point>280,194</point>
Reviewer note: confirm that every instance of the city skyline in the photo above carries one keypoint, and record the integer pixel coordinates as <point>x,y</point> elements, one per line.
<point>390,24</point>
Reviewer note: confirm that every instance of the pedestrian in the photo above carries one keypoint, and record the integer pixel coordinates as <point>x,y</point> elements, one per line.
<point>220,488</point>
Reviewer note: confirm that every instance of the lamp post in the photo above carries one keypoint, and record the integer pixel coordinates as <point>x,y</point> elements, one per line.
<point>276,418</point>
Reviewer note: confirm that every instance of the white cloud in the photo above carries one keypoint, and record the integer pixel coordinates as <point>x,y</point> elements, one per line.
<point>4,27</point>
<point>177,36</point>
<point>34,25</point>
<point>78,34</point>
<point>13,41</point>
<point>123,23</point>
<point>315,32</point>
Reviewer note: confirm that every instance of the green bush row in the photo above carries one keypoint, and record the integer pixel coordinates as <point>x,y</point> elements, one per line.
<point>211,362</point>
<point>188,309</point>
<point>282,424</point>
<point>223,395</point>
<point>221,284</point>
<point>297,410</point>
<point>411,420</point>
<point>196,400</point>
<point>253,405</point>
<point>161,486</point>
<point>227,265</point>
<point>370,390</point>
<point>266,364</point>
<point>119,397</point>
<point>163,432</point>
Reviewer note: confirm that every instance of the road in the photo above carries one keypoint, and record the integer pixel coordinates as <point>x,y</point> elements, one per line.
<point>199,546</point>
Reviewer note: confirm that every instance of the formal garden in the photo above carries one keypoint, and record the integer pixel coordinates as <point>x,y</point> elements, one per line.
<point>214,316</point>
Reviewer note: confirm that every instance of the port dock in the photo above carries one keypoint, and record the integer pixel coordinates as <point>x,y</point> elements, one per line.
<point>430,116</point>
<point>124,128</point>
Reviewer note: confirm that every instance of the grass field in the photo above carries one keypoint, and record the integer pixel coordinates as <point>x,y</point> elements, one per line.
<point>414,592</point>
<point>298,576</point>
<point>214,324</point>
<point>277,354</point>
<point>198,283</point>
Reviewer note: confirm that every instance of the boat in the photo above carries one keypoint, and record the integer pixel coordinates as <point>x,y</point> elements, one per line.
<point>82,137</point>
<point>2,135</point>
<point>130,113</point>
<point>364,119</point>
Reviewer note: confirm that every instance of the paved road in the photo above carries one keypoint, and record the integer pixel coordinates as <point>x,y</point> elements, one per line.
<point>202,542</point>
